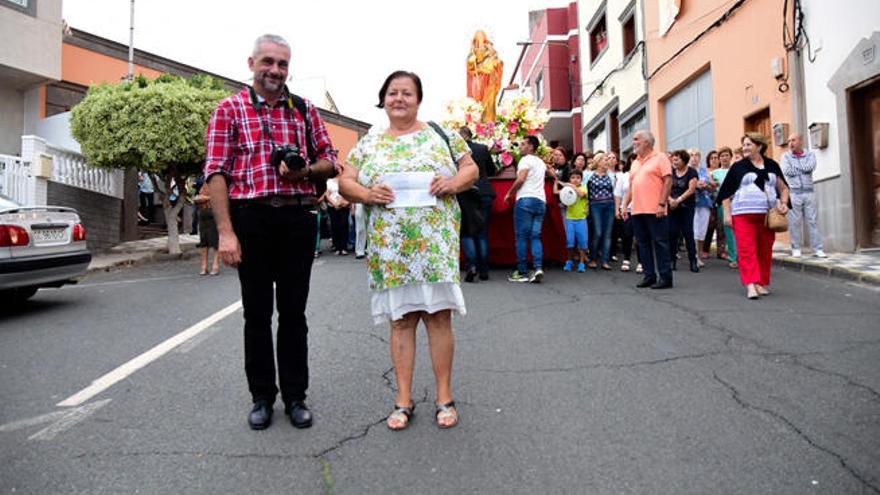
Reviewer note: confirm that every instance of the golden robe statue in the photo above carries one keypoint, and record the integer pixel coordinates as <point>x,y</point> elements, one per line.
<point>484,70</point>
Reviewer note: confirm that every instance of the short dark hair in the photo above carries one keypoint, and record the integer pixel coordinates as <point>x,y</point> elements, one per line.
<point>576,172</point>
<point>465,133</point>
<point>725,149</point>
<point>709,156</point>
<point>630,158</point>
<point>532,140</point>
<point>683,154</point>
<point>397,75</point>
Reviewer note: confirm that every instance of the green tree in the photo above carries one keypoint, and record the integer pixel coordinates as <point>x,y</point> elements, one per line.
<point>157,127</point>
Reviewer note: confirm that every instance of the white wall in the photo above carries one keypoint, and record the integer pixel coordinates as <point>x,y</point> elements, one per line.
<point>11,121</point>
<point>627,85</point>
<point>834,29</point>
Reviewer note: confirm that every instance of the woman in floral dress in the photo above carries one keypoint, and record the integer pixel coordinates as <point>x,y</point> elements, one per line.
<point>413,252</point>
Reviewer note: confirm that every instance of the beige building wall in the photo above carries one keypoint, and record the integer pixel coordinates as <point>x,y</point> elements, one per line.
<point>30,55</point>
<point>738,53</point>
<point>31,44</point>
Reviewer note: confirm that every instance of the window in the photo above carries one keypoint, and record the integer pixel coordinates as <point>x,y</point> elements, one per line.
<point>62,96</point>
<point>635,123</point>
<point>539,87</point>
<point>689,117</point>
<point>28,7</point>
<point>629,35</point>
<point>598,39</point>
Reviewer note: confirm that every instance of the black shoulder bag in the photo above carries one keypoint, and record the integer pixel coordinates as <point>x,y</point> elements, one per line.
<point>300,105</point>
<point>470,201</point>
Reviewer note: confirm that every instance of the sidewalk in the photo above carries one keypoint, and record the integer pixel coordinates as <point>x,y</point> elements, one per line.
<point>863,267</point>
<point>143,251</point>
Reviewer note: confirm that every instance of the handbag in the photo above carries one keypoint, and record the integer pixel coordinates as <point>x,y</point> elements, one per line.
<point>775,221</point>
<point>470,201</point>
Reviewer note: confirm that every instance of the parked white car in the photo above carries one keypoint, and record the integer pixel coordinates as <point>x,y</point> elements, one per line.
<point>40,246</point>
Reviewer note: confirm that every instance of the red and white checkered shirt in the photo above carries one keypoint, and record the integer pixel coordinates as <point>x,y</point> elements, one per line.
<point>237,148</point>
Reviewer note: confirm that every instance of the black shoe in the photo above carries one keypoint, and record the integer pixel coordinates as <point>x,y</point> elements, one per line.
<point>662,284</point>
<point>694,267</point>
<point>471,275</point>
<point>484,276</point>
<point>646,282</point>
<point>261,415</point>
<point>300,415</point>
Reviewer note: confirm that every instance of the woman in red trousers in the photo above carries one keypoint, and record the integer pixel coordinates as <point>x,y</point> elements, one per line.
<point>752,187</point>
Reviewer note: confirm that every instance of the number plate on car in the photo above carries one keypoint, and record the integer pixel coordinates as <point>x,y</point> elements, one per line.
<point>49,235</point>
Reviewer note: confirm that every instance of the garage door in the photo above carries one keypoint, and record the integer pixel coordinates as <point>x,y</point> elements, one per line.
<point>690,122</point>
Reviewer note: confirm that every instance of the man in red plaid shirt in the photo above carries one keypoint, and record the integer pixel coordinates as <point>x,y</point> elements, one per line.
<point>265,218</point>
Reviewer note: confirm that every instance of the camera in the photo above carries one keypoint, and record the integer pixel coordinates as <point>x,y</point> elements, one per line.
<point>289,153</point>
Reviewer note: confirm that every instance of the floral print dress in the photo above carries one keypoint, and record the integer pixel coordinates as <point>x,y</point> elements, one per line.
<point>413,253</point>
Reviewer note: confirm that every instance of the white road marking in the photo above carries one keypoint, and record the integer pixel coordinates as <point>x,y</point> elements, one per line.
<point>37,420</point>
<point>72,417</point>
<point>123,371</point>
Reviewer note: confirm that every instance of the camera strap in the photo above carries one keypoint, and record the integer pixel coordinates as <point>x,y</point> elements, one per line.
<point>293,101</point>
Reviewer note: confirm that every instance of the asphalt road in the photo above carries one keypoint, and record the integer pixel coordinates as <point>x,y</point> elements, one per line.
<point>582,384</point>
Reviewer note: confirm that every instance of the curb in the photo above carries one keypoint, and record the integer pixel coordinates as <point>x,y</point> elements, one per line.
<point>828,270</point>
<point>143,257</point>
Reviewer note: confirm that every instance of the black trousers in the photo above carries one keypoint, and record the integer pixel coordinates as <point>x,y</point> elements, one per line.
<point>277,249</point>
<point>681,225</point>
<point>627,239</point>
<point>339,227</point>
<point>652,239</point>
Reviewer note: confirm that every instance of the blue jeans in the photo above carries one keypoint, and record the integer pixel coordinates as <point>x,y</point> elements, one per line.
<point>528,216</point>
<point>602,216</point>
<point>476,249</point>
<point>652,239</point>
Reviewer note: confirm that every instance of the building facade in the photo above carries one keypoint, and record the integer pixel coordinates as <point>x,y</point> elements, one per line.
<point>30,37</point>
<point>614,90</point>
<point>716,69</point>
<point>841,123</point>
<point>549,67</point>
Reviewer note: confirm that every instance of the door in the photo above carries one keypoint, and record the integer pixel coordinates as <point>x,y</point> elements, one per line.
<point>865,152</point>
<point>689,120</point>
<point>760,122</point>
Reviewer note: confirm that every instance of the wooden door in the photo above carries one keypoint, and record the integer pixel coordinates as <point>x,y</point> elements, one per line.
<point>760,122</point>
<point>865,152</point>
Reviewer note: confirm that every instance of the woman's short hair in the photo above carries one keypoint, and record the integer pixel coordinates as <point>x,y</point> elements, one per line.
<point>397,75</point>
<point>576,155</point>
<point>709,156</point>
<point>598,159</point>
<point>725,149</point>
<point>757,138</point>
<point>562,150</point>
<point>682,154</point>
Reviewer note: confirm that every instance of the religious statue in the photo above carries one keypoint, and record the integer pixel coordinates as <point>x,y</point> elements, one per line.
<point>484,72</point>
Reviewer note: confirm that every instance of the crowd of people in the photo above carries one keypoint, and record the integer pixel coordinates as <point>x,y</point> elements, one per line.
<point>268,215</point>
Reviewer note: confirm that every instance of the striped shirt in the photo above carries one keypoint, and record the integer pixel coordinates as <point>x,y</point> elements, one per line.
<point>751,199</point>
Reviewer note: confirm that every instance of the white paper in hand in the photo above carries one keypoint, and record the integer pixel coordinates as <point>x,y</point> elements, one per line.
<point>410,189</point>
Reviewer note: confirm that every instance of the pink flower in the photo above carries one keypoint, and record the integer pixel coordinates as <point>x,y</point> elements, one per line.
<point>531,132</point>
<point>496,146</point>
<point>506,158</point>
<point>481,129</point>
<point>511,127</point>
<point>469,118</point>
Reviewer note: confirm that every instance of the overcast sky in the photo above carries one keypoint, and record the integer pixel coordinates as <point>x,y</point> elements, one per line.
<point>350,45</point>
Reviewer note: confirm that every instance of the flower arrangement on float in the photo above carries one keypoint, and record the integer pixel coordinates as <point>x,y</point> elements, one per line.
<point>516,118</point>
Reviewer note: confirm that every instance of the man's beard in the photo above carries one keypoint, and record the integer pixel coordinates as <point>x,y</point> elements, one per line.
<point>270,85</point>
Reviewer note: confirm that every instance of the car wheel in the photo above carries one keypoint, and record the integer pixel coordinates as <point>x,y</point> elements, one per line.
<point>14,296</point>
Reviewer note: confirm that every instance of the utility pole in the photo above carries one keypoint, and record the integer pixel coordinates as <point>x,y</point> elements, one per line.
<point>130,75</point>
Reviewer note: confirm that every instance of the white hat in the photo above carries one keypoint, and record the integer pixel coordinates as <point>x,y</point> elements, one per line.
<point>568,196</point>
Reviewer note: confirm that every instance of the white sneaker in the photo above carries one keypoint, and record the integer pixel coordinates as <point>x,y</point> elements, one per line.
<point>820,254</point>
<point>639,268</point>
<point>796,253</point>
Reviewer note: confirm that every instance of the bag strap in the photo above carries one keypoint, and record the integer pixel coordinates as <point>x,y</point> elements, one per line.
<point>439,130</point>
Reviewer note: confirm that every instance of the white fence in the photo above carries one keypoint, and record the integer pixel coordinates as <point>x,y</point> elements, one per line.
<point>15,178</point>
<point>70,168</point>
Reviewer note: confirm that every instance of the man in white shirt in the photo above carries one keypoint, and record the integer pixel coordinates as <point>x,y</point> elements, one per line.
<point>528,212</point>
